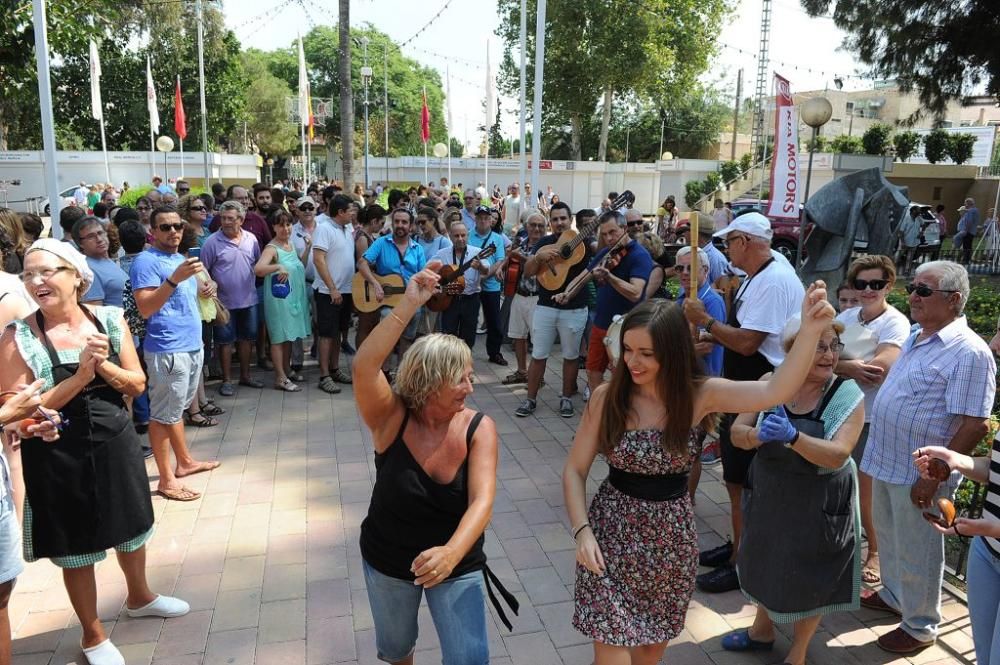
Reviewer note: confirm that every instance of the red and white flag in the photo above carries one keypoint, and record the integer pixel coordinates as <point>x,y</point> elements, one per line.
<point>785,197</point>
<point>180,118</point>
<point>425,120</point>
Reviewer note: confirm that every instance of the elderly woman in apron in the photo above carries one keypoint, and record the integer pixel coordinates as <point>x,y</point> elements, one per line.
<point>87,491</point>
<point>800,556</point>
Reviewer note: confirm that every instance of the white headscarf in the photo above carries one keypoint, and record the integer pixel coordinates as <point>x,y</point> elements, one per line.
<point>67,253</point>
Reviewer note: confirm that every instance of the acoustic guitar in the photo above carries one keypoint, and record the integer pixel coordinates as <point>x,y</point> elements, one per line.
<point>571,250</point>
<point>452,281</point>
<point>363,293</point>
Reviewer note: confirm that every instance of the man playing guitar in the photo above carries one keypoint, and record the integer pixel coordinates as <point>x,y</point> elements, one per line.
<point>619,287</point>
<point>567,319</point>
<point>525,296</point>
<point>397,254</point>
<point>462,315</point>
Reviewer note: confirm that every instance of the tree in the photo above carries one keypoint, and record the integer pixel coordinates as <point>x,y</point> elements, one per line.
<point>906,144</point>
<point>847,145</point>
<point>936,146</point>
<point>960,147</point>
<point>942,54</point>
<point>819,144</point>
<point>693,190</point>
<point>346,93</point>
<point>267,121</point>
<point>876,139</point>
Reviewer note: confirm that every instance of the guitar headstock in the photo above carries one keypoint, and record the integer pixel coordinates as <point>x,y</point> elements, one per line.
<point>626,198</point>
<point>489,251</point>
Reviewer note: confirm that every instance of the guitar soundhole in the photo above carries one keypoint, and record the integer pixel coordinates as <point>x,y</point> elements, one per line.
<point>566,251</point>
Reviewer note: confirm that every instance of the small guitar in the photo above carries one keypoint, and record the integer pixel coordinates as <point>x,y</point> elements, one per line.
<point>452,281</point>
<point>363,293</point>
<point>571,249</point>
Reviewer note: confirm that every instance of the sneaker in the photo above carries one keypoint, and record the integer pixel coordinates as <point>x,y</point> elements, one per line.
<point>566,407</point>
<point>717,556</point>
<point>720,580</point>
<point>586,393</point>
<point>526,409</point>
<point>498,360</point>
<point>711,454</point>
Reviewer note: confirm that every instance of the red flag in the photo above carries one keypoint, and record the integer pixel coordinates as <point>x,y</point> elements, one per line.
<point>425,121</point>
<point>180,120</point>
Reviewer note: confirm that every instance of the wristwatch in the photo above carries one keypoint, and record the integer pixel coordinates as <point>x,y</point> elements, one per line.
<point>794,440</point>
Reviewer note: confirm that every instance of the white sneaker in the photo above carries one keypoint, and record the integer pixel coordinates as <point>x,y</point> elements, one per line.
<point>162,606</point>
<point>586,393</point>
<point>104,653</point>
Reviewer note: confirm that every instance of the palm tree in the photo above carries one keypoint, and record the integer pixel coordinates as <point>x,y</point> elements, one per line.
<point>346,95</point>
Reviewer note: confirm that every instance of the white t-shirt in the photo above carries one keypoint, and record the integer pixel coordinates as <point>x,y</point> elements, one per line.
<point>861,340</point>
<point>511,211</point>
<point>338,243</point>
<point>299,243</point>
<point>766,302</point>
<point>483,194</point>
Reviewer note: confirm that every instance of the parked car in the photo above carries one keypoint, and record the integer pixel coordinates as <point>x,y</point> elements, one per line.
<point>66,195</point>
<point>786,231</point>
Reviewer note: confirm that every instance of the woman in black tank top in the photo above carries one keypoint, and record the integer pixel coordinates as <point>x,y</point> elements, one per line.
<point>435,463</point>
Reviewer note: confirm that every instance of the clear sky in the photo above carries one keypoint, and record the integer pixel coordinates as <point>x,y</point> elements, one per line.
<point>463,28</point>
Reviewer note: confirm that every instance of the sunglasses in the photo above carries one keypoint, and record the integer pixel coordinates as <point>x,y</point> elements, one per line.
<point>171,227</point>
<point>925,291</point>
<point>873,284</point>
<point>198,208</point>
<point>306,208</point>
<point>183,191</point>
<point>631,224</point>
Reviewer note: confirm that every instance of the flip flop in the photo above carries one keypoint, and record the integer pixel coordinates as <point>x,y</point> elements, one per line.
<point>204,466</point>
<point>741,641</point>
<point>181,494</point>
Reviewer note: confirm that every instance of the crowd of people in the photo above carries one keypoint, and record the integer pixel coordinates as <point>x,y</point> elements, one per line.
<point>696,350</point>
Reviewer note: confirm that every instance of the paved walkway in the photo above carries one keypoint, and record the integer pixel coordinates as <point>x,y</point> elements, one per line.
<point>269,560</point>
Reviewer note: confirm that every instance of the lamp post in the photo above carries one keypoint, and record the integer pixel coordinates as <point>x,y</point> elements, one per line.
<point>270,171</point>
<point>815,112</point>
<point>165,144</point>
<point>366,78</point>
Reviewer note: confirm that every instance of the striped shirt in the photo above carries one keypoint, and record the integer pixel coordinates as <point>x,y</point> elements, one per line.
<point>950,374</point>
<point>991,507</point>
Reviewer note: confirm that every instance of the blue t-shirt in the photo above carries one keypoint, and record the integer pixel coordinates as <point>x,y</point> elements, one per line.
<point>491,285</point>
<point>387,260</point>
<point>636,263</point>
<point>176,326</point>
<point>716,308</point>
<point>432,247</point>
<point>109,282</point>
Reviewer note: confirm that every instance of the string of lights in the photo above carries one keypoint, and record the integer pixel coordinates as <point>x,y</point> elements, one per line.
<point>428,24</point>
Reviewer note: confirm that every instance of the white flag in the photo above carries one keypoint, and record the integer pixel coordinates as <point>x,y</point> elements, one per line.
<point>491,101</point>
<point>96,107</point>
<point>154,114</point>
<point>304,110</point>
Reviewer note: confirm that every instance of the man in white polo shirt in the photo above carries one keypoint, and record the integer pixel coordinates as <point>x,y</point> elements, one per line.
<point>333,256</point>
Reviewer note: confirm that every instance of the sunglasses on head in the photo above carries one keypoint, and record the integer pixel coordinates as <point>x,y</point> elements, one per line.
<point>925,291</point>
<point>171,227</point>
<point>873,284</point>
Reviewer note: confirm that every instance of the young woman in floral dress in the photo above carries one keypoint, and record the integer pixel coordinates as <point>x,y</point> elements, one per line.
<point>637,548</point>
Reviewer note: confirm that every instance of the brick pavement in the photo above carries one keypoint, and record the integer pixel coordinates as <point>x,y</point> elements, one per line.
<point>269,560</point>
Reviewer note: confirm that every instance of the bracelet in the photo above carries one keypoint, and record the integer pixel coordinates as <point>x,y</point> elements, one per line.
<point>708,326</point>
<point>171,282</point>
<point>580,528</point>
<point>401,321</point>
<point>794,439</point>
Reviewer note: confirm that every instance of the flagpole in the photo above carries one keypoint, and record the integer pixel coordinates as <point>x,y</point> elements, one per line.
<point>97,106</point>
<point>447,134</point>
<point>45,110</point>
<point>523,161</point>
<point>385,90</point>
<point>536,128</point>
<point>104,149</point>
<point>486,162</point>
<point>425,137</point>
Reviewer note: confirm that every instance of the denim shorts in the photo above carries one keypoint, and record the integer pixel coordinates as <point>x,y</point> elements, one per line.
<point>173,381</point>
<point>568,323</point>
<point>242,326</point>
<point>11,561</point>
<point>457,607</point>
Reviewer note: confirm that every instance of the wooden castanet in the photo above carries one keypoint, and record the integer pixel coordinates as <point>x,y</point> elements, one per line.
<point>363,293</point>
<point>947,517</point>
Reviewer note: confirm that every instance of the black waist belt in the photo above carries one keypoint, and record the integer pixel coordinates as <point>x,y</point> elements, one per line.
<point>663,487</point>
<point>526,293</point>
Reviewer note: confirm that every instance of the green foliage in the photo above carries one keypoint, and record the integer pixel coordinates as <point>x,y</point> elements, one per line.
<point>819,144</point>
<point>693,190</point>
<point>960,147</point>
<point>132,196</point>
<point>712,182</point>
<point>876,139</point>
<point>936,146</point>
<point>268,127</point>
<point>906,144</point>
<point>847,145</point>
<point>746,161</point>
<point>981,309</point>
<point>730,171</point>
<point>942,54</point>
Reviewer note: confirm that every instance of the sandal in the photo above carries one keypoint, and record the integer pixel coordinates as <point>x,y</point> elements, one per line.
<point>287,386</point>
<point>211,409</point>
<point>203,421</point>
<point>515,377</point>
<point>179,494</point>
<point>296,376</point>
<point>327,385</point>
<point>340,376</point>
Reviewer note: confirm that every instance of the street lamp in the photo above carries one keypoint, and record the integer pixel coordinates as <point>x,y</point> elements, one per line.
<point>366,78</point>
<point>165,144</point>
<point>270,170</point>
<point>815,112</point>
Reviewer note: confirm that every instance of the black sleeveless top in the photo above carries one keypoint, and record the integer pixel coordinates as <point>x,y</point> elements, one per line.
<point>411,512</point>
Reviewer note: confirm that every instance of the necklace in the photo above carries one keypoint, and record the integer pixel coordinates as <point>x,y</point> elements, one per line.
<point>826,386</point>
<point>865,322</point>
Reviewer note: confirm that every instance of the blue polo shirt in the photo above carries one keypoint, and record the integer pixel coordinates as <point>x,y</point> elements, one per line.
<point>716,308</point>
<point>387,259</point>
<point>491,285</point>
<point>175,327</point>
<point>636,263</point>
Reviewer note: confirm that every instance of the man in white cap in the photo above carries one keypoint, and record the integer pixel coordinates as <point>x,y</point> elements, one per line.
<point>770,295</point>
<point>304,210</point>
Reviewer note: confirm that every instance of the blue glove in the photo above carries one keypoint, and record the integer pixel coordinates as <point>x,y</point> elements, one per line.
<point>776,428</point>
